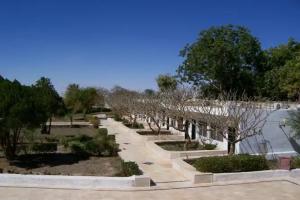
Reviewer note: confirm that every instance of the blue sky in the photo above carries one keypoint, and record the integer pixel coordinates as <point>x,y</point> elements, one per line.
<point>126,42</point>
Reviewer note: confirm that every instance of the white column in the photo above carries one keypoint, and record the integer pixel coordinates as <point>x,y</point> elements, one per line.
<point>208,131</point>
<point>197,131</point>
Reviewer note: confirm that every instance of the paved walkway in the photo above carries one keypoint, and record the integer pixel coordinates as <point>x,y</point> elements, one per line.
<point>133,149</point>
<point>276,190</point>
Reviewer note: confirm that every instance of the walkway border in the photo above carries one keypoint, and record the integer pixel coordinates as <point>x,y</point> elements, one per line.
<point>198,177</point>
<point>73,182</point>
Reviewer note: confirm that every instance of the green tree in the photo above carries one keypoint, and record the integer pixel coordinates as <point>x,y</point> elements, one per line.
<point>81,99</point>
<point>166,82</point>
<point>50,99</point>
<point>224,58</point>
<point>290,78</point>
<point>294,122</point>
<point>19,110</point>
<point>278,56</point>
<point>149,92</point>
<point>271,84</point>
<point>88,97</point>
<point>72,100</point>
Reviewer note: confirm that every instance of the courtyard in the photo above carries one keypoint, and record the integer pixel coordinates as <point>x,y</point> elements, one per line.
<point>276,190</point>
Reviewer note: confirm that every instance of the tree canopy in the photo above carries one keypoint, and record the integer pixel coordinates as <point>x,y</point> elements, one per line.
<point>166,82</point>
<point>51,102</point>
<point>230,59</point>
<point>224,58</point>
<point>81,99</point>
<point>20,109</point>
<point>279,82</point>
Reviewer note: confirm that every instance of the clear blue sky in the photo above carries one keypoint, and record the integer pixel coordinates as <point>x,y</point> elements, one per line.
<point>128,43</point>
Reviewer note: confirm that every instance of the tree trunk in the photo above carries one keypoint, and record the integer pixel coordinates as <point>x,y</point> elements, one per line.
<point>50,123</point>
<point>231,150</point>
<point>168,125</point>
<point>71,121</point>
<point>186,130</point>
<point>44,128</point>
<point>11,142</point>
<point>186,135</point>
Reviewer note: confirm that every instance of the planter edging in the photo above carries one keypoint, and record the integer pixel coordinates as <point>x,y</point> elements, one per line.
<point>73,182</point>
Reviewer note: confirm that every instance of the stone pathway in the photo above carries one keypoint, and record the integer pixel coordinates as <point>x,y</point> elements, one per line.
<point>133,149</point>
<point>275,190</point>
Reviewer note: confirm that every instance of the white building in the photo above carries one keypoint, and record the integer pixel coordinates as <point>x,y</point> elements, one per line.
<point>275,136</point>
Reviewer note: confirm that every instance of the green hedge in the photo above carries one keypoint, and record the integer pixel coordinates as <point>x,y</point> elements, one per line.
<point>130,169</point>
<point>117,117</point>
<point>234,163</point>
<point>134,125</point>
<point>209,146</point>
<point>103,131</point>
<point>296,162</point>
<point>44,147</point>
<point>101,144</point>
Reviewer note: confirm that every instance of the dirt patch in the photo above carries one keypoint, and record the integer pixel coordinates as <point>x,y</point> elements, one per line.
<point>63,164</point>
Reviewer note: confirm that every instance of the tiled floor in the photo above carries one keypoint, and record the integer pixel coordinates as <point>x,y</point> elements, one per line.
<point>133,148</point>
<point>276,190</point>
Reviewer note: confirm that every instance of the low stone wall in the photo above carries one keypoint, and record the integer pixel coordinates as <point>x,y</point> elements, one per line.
<point>195,176</point>
<point>295,173</point>
<point>190,172</point>
<point>73,182</point>
<point>255,175</point>
<point>182,154</point>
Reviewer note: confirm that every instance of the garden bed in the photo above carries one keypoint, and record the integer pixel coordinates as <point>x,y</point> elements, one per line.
<point>237,163</point>
<point>134,125</point>
<point>63,164</point>
<point>94,153</point>
<point>183,146</point>
<point>151,133</point>
<point>230,164</point>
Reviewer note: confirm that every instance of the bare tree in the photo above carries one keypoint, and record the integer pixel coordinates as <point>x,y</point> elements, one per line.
<point>124,102</point>
<point>236,118</point>
<point>176,104</point>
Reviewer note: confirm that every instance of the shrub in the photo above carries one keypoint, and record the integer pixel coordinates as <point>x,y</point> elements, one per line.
<point>78,147</point>
<point>234,163</point>
<point>137,125</point>
<point>125,121</point>
<point>99,109</point>
<point>209,146</point>
<point>52,139</point>
<point>134,125</point>
<point>95,122</point>
<point>130,169</point>
<point>106,143</point>
<point>103,131</point>
<point>296,162</point>
<point>44,147</point>
<point>117,117</point>
<point>146,132</point>
<point>82,138</point>
<point>102,144</point>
